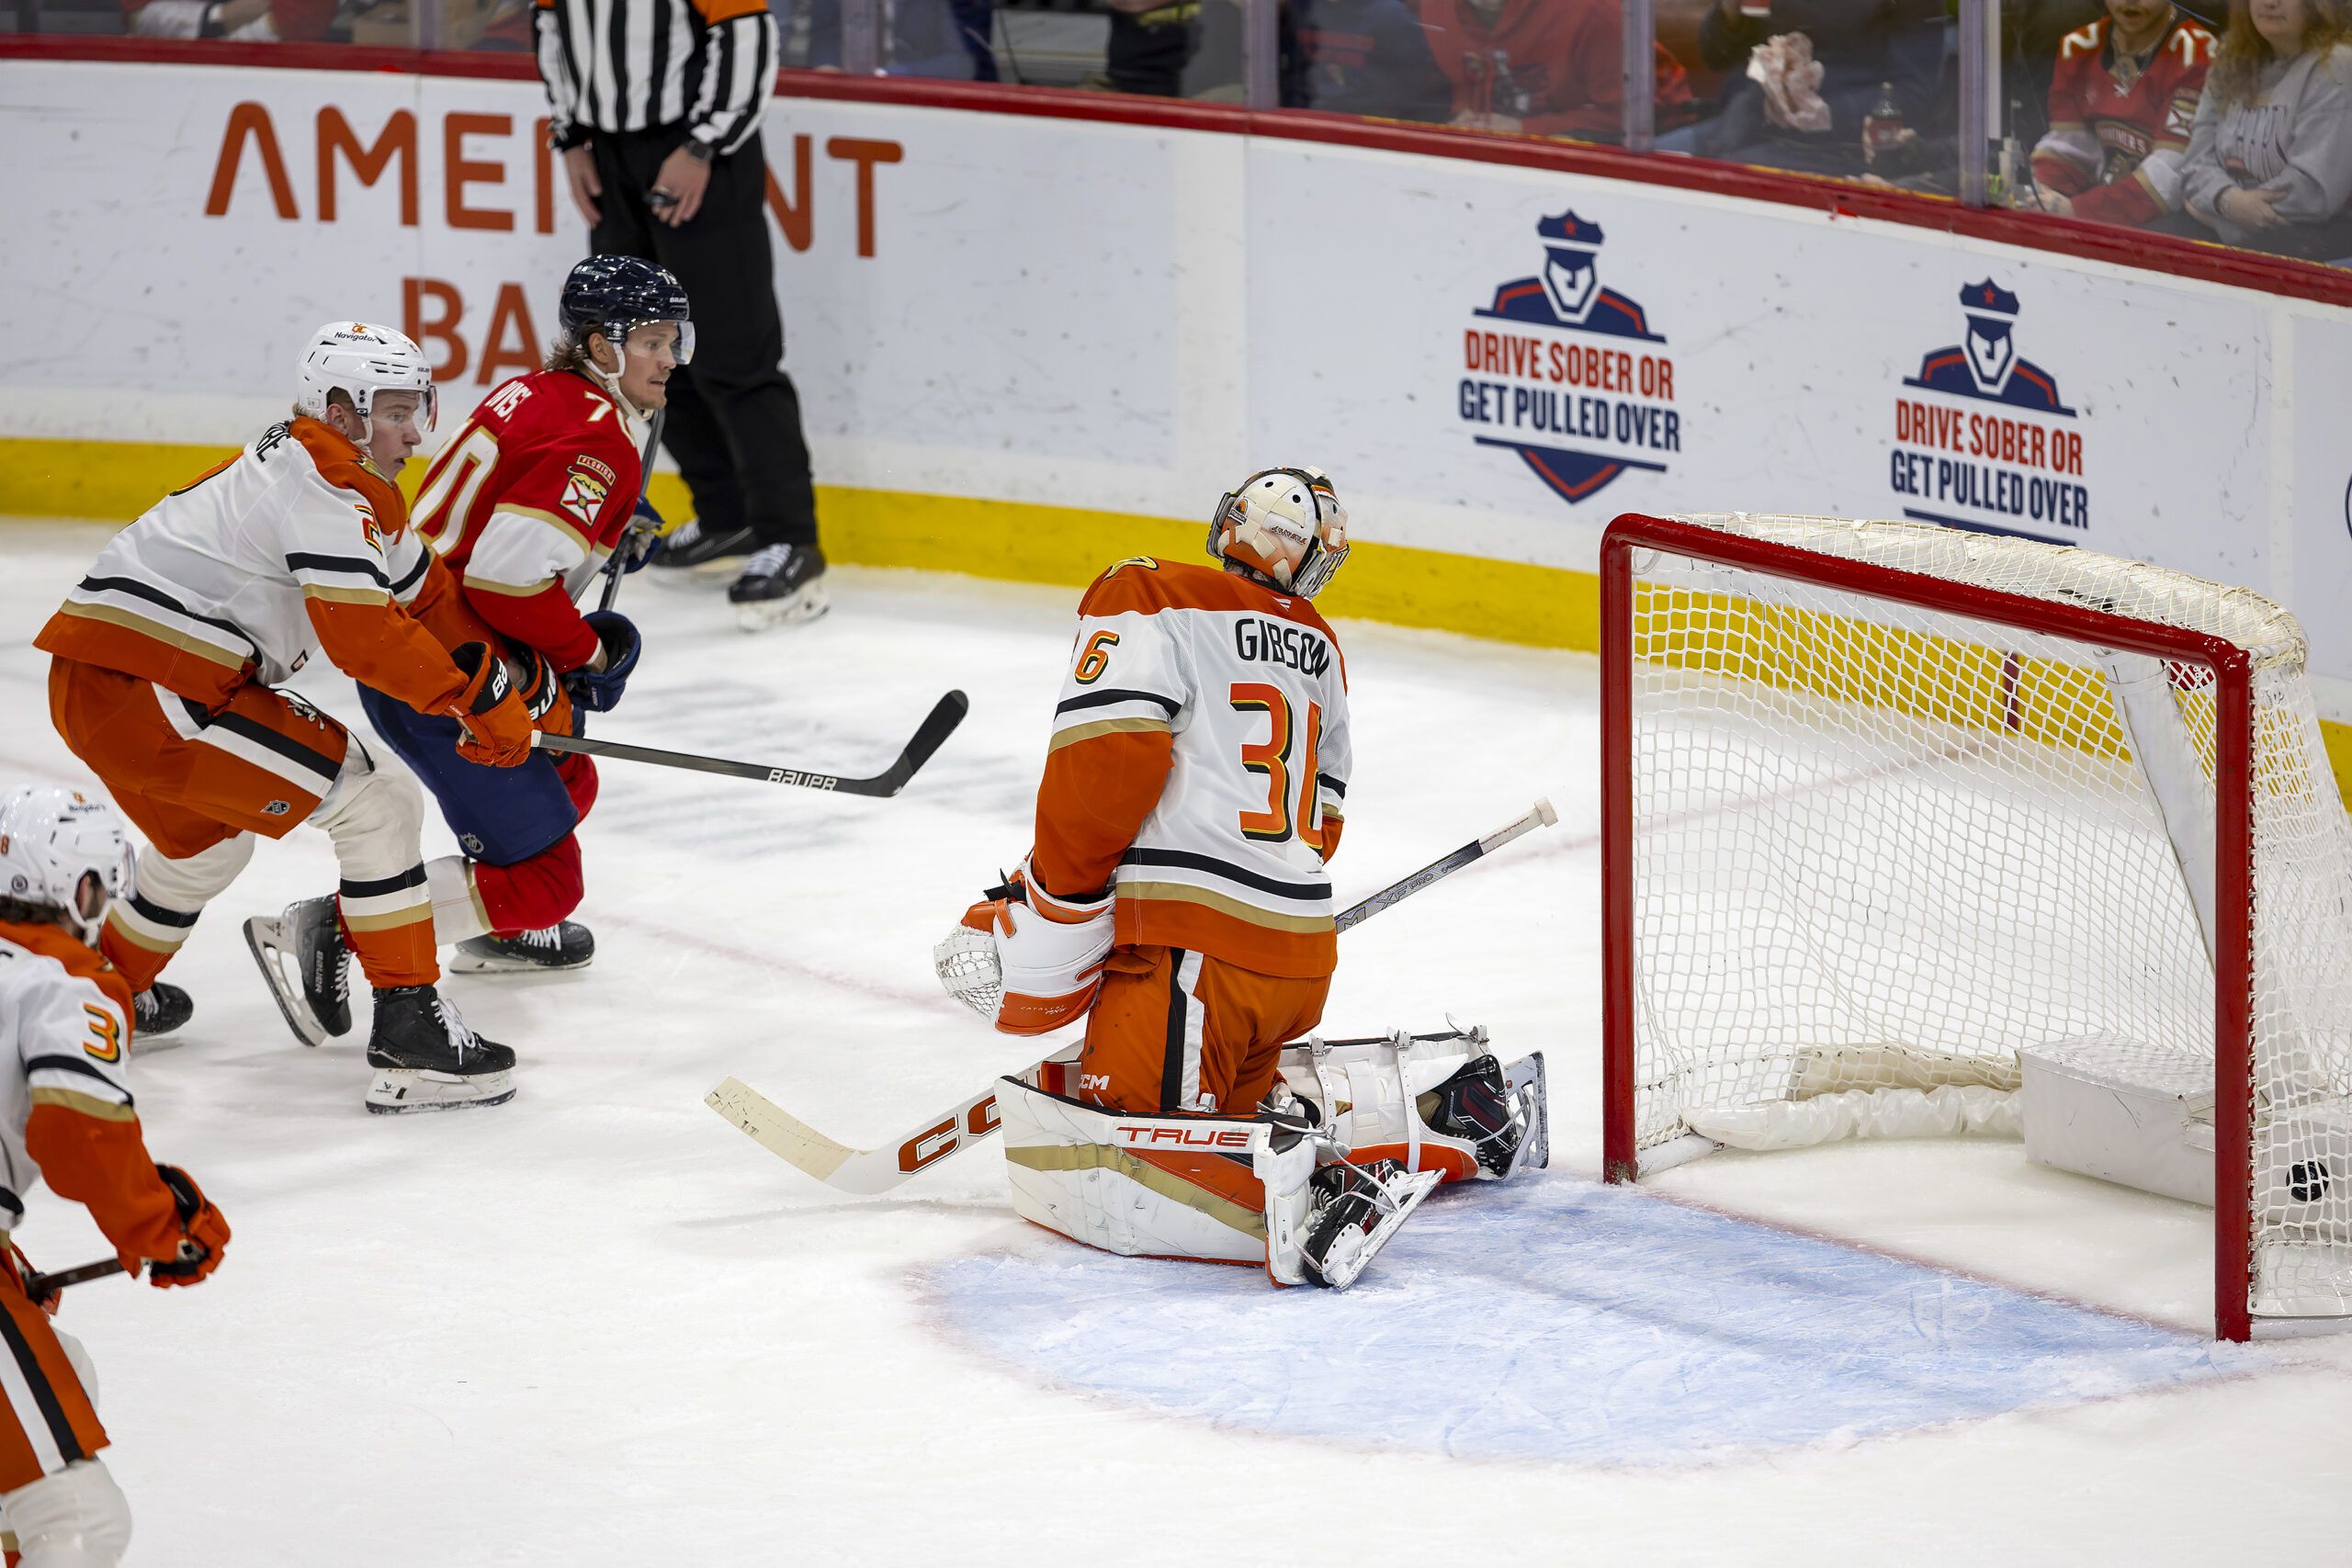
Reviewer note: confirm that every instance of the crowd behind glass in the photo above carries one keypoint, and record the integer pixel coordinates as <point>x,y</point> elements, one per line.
<point>2228,121</point>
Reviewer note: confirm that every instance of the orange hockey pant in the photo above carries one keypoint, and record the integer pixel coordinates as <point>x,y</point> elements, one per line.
<point>1177,1030</point>
<point>50,1421</point>
<point>198,781</point>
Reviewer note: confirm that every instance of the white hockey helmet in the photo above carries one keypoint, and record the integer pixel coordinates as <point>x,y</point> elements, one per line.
<point>360,361</point>
<point>60,848</point>
<point>1283,526</point>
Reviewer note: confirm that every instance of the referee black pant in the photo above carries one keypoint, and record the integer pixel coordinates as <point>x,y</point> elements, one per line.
<point>734,421</point>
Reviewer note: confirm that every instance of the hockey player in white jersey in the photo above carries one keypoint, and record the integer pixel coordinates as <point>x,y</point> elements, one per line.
<point>165,657</point>
<point>1176,897</point>
<point>67,1118</point>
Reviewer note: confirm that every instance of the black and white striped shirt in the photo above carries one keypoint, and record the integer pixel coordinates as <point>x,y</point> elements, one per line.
<point>643,64</point>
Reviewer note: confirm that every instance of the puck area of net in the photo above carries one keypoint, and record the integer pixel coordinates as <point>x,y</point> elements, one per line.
<point>1559,1320</point>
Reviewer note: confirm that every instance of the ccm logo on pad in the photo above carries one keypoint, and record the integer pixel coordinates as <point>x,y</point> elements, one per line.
<point>1164,1136</point>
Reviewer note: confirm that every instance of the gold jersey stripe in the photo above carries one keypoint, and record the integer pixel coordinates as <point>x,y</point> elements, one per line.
<point>1185,893</point>
<point>130,621</point>
<point>1078,732</point>
<point>89,1105</point>
<point>1143,1174</point>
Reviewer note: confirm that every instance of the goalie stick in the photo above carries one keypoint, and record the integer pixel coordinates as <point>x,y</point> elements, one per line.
<point>944,718</point>
<point>866,1172</point>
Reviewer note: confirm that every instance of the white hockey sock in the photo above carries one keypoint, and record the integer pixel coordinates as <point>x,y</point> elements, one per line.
<point>457,914</point>
<point>74,1519</point>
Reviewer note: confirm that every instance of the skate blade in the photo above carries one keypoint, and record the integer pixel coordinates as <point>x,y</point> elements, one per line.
<point>407,1092</point>
<point>142,1047</point>
<point>811,603</point>
<point>272,947</point>
<point>464,963</point>
<point>1409,1194</point>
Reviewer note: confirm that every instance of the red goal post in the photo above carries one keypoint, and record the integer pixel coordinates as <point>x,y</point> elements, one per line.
<point>2231,668</point>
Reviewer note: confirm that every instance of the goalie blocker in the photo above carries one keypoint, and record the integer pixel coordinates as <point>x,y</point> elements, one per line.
<point>1310,1195</point>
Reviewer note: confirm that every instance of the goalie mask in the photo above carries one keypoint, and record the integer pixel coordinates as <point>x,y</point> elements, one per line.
<point>1282,527</point>
<point>61,849</point>
<point>360,361</point>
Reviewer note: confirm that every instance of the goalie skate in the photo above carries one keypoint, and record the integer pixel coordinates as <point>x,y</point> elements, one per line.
<point>302,956</point>
<point>1358,1208</point>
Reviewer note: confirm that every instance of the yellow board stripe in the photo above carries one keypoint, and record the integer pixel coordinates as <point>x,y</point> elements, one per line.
<point>1535,607</point>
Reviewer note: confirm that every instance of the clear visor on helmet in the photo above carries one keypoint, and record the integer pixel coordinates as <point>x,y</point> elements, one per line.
<point>423,415</point>
<point>651,337</point>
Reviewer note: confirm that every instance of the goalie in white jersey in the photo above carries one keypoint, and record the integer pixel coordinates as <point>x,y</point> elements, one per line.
<point>1175,897</point>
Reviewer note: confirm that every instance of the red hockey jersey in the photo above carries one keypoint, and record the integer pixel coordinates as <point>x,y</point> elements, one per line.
<point>1556,66</point>
<point>2117,136</point>
<point>528,500</point>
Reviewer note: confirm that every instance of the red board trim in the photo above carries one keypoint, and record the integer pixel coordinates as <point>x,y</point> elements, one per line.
<point>2163,253</point>
<point>2233,837</point>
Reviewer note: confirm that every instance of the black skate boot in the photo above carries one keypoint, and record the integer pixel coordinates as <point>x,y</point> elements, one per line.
<point>781,585</point>
<point>1357,1209</point>
<point>302,956</point>
<point>564,945</point>
<point>694,544</point>
<point>426,1059</point>
<point>156,1013</point>
<point>1480,1107</point>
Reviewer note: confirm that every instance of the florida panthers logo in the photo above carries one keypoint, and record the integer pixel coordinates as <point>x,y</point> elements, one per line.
<point>583,496</point>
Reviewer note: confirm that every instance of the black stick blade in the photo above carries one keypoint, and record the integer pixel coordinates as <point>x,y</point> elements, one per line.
<point>945,716</point>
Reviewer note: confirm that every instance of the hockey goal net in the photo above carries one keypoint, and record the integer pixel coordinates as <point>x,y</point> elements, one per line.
<point>1886,804</point>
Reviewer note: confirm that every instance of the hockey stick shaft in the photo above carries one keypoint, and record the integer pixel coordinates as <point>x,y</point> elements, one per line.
<point>616,568</point>
<point>866,1172</point>
<point>41,1287</point>
<point>945,716</point>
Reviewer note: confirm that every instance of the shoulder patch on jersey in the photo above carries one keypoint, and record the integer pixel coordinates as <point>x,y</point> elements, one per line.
<point>601,469</point>
<point>584,494</point>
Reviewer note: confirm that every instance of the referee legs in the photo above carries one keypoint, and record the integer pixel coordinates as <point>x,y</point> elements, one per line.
<point>734,419</point>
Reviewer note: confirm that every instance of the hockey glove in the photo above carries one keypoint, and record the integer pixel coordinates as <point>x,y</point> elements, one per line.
<point>497,726</point>
<point>642,535</point>
<point>204,1235</point>
<point>544,698</point>
<point>598,691</point>
<point>1050,951</point>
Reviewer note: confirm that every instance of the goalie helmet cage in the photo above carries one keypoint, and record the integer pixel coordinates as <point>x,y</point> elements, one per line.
<point>1884,802</point>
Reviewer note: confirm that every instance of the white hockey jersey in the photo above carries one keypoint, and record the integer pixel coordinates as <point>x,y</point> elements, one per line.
<point>1199,763</point>
<point>296,543</point>
<point>64,1044</point>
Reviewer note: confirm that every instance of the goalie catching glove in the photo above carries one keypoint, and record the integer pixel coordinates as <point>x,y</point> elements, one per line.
<point>1025,960</point>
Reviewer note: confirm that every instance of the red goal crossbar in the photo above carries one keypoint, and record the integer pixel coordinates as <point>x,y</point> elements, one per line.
<point>2234,831</point>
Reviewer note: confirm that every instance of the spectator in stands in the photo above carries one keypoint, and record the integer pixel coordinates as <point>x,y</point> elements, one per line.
<point>247,21</point>
<point>1550,67</point>
<point>1151,43</point>
<point>2120,105</point>
<point>1368,57</point>
<point>1859,44</point>
<point>2269,161</point>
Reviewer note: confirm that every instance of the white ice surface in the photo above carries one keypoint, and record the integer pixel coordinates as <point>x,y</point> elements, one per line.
<point>599,1325</point>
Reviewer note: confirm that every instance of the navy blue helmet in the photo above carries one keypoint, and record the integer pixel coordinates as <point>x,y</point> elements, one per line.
<point>612,294</point>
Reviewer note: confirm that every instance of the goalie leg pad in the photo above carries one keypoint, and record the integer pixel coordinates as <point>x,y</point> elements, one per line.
<point>1439,1102</point>
<point>1215,1188</point>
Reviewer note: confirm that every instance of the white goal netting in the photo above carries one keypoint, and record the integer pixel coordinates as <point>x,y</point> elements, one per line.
<point>1881,848</point>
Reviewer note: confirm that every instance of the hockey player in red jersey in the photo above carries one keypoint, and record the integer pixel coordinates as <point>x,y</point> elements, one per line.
<point>525,504</point>
<point>2121,101</point>
<point>67,1118</point>
<point>162,681</point>
<point>1176,898</point>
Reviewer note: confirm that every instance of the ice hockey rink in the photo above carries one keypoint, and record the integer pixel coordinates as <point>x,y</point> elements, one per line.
<point>600,1325</point>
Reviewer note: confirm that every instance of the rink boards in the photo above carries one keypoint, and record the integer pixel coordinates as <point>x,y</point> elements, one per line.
<point>1026,343</point>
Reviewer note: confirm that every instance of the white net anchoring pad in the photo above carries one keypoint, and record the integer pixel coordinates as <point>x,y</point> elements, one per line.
<point>1883,850</point>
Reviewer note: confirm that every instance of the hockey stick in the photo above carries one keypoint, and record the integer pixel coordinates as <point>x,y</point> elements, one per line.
<point>866,1172</point>
<point>944,718</point>
<point>613,568</point>
<point>41,1287</point>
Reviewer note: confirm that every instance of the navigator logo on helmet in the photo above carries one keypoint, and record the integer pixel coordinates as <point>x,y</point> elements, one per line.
<point>1285,527</point>
<point>61,849</point>
<point>615,295</point>
<point>360,361</point>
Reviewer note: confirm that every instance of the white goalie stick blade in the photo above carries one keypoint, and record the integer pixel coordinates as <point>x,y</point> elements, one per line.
<point>865,1172</point>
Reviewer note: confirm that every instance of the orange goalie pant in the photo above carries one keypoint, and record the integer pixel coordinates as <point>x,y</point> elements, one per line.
<point>1172,1029</point>
<point>192,779</point>
<point>50,1421</point>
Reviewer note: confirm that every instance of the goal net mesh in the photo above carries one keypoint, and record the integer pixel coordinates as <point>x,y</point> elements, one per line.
<point>1880,847</point>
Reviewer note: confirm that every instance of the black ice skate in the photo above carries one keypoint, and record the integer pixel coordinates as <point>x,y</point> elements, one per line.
<point>302,956</point>
<point>156,1013</point>
<point>781,585</point>
<point>1357,1209</point>
<point>426,1059</point>
<point>694,544</point>
<point>564,945</point>
<point>1495,1115</point>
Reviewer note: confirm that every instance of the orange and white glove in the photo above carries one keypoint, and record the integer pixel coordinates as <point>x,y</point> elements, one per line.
<point>497,725</point>
<point>1049,952</point>
<point>204,1235</point>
